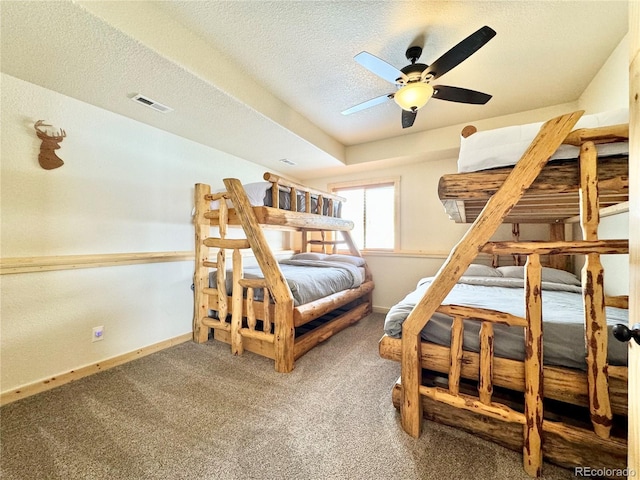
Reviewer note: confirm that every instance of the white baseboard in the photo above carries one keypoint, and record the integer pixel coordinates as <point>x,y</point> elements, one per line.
<point>67,377</point>
<point>384,310</point>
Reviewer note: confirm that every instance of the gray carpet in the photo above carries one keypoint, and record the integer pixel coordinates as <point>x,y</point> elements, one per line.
<point>196,412</point>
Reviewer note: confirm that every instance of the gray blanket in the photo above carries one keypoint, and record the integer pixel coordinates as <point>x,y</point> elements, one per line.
<point>308,280</point>
<point>563,322</point>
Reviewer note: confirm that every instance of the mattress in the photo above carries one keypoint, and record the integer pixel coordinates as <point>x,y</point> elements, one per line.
<point>259,195</point>
<point>310,276</point>
<point>563,322</point>
<point>503,147</point>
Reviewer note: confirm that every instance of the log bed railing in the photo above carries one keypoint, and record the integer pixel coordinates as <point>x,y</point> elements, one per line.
<point>551,135</point>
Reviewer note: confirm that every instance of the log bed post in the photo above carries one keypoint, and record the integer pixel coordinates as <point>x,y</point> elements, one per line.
<point>533,371</point>
<point>594,299</point>
<point>201,276</point>
<point>549,138</point>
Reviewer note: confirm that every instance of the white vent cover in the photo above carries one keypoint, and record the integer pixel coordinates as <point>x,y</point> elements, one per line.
<point>287,161</point>
<point>151,103</point>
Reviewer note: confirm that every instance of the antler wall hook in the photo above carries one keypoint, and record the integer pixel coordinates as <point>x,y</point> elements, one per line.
<point>47,157</point>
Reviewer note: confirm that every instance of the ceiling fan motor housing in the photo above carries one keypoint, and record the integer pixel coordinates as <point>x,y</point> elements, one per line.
<point>413,72</point>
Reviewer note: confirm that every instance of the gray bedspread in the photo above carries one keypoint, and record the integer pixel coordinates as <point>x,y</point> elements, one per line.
<point>308,280</point>
<point>563,322</point>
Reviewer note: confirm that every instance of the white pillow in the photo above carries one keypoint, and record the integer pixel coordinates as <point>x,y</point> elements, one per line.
<point>548,275</point>
<point>309,256</point>
<point>353,260</point>
<point>478,270</point>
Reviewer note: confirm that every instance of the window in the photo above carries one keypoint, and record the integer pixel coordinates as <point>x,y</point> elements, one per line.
<point>373,207</point>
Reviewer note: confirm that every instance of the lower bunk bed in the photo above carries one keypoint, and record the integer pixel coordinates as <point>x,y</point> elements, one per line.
<point>277,309</point>
<point>455,332</point>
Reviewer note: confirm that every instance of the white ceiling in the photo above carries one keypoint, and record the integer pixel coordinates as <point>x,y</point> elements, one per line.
<point>268,80</point>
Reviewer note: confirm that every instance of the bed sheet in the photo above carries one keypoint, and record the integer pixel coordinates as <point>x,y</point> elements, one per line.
<point>308,280</point>
<point>563,322</point>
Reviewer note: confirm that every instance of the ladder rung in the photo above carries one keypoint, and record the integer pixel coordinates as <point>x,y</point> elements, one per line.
<point>213,323</point>
<point>253,282</point>
<point>227,242</point>
<point>258,335</point>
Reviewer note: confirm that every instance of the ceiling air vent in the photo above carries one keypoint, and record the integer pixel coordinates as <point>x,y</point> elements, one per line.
<point>287,162</point>
<point>151,103</point>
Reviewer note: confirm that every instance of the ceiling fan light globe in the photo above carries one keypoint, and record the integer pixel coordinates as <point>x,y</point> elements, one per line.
<point>413,96</point>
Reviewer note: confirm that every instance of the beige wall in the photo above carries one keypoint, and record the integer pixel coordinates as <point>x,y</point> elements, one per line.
<point>124,187</point>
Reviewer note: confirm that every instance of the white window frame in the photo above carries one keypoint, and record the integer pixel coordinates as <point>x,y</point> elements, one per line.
<point>395,181</point>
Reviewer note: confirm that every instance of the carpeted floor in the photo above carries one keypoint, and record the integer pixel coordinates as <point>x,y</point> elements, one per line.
<point>196,412</point>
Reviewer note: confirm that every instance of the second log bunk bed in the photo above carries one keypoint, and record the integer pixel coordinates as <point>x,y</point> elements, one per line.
<point>261,314</point>
<point>529,192</point>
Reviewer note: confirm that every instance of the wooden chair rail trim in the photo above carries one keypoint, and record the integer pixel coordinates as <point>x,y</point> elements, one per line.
<point>13,265</point>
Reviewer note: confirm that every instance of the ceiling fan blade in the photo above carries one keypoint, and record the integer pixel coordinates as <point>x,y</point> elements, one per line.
<point>380,67</point>
<point>369,103</point>
<point>460,95</point>
<point>408,118</point>
<point>459,53</point>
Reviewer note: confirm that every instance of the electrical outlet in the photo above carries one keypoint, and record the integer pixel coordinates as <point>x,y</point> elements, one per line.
<point>98,333</point>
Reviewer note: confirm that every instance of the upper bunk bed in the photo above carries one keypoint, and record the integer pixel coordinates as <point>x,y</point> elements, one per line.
<point>486,159</point>
<point>279,309</point>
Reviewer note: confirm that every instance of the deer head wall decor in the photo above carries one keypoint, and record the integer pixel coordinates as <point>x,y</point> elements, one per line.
<point>47,157</point>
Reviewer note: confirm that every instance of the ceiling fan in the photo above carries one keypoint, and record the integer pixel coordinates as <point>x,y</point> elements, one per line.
<point>413,81</point>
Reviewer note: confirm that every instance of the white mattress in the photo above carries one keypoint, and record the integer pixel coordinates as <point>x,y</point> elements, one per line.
<point>503,147</point>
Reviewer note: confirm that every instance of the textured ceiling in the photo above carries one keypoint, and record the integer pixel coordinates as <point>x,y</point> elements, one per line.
<point>268,80</point>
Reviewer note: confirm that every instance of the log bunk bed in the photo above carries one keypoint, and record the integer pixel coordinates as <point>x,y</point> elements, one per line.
<point>463,388</point>
<point>261,314</point>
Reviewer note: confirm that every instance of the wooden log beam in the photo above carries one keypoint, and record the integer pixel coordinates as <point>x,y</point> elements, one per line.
<point>576,247</point>
<point>284,337</point>
<point>555,178</point>
<point>487,314</point>
<point>493,410</point>
<point>230,243</point>
<point>549,138</point>
<point>598,135</point>
<point>562,384</point>
<point>273,217</point>
<point>305,313</point>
